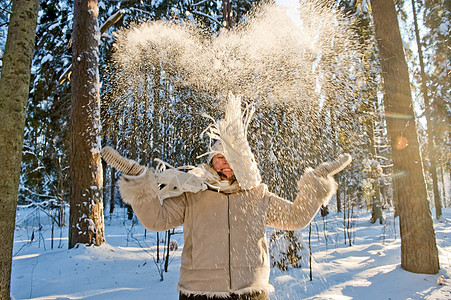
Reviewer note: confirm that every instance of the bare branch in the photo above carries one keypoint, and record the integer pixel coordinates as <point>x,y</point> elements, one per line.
<point>112,20</point>
<point>107,24</point>
<point>207,16</point>
<point>199,3</point>
<point>5,8</point>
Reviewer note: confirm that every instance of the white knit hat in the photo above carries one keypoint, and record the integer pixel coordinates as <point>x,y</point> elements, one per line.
<point>217,148</point>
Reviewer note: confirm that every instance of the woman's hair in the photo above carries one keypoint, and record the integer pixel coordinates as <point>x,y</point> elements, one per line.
<point>232,179</point>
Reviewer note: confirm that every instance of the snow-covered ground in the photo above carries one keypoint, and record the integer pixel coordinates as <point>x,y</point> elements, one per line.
<point>125,266</point>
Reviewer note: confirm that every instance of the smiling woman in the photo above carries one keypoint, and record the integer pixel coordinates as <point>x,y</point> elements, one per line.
<point>222,167</point>
<point>224,222</point>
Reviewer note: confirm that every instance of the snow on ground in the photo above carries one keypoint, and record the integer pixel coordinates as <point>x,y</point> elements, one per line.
<point>125,267</point>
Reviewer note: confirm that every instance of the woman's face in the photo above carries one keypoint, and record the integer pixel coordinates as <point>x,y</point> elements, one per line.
<point>222,167</point>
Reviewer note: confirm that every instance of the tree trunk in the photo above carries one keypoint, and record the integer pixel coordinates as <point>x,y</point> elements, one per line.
<point>14,90</point>
<point>86,209</point>
<point>227,14</point>
<point>112,190</point>
<point>376,205</point>
<point>168,244</point>
<point>310,251</point>
<point>113,175</point>
<point>418,245</point>
<point>430,129</point>
<point>158,247</point>
<point>104,166</point>
<point>444,195</point>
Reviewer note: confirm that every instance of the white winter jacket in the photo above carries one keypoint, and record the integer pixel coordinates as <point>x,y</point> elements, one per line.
<point>225,248</point>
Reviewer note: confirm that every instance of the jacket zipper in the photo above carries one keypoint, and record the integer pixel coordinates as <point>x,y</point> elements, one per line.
<point>228,224</point>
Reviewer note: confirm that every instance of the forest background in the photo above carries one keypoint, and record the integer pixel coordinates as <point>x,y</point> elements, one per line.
<point>355,122</point>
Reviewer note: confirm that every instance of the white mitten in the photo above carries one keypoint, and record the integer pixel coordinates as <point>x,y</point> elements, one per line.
<point>125,165</point>
<point>331,168</point>
<point>318,183</point>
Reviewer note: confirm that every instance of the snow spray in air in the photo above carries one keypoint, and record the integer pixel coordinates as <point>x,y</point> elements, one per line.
<point>165,74</point>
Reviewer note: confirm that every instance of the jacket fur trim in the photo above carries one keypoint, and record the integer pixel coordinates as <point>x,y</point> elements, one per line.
<point>267,289</point>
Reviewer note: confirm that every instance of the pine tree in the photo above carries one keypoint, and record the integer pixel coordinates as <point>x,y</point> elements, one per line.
<point>368,112</point>
<point>427,109</point>
<point>418,245</point>
<point>45,159</point>
<point>86,207</point>
<point>436,16</point>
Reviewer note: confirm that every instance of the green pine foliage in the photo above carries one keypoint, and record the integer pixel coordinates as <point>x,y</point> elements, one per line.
<point>44,163</point>
<point>437,42</point>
